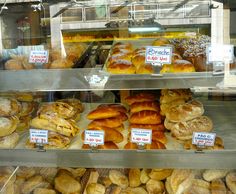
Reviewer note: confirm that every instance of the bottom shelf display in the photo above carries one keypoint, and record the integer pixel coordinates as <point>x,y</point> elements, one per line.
<point>40,180</point>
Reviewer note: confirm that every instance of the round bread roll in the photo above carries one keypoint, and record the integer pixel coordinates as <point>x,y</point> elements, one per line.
<point>67,184</point>
<point>44,191</point>
<point>5,173</point>
<point>144,178</point>
<point>137,190</point>
<point>61,64</point>
<point>210,175</point>
<point>134,177</point>
<point>9,141</point>
<point>13,64</point>
<point>8,125</point>
<point>160,174</point>
<point>154,186</point>
<point>118,178</point>
<point>231,181</point>
<point>48,174</point>
<point>25,172</point>
<point>217,186</point>
<point>9,107</point>
<point>95,188</point>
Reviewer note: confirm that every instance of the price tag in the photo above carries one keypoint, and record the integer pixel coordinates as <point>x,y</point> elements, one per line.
<point>38,136</point>
<point>38,57</point>
<point>158,54</point>
<point>141,136</point>
<point>220,53</point>
<point>203,139</point>
<point>94,137</point>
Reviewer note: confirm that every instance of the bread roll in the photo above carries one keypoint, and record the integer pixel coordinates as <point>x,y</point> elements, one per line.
<point>138,60</point>
<point>121,68</point>
<point>67,184</point>
<point>217,186</point>
<point>210,175</point>
<point>199,186</point>
<point>144,176</point>
<point>8,125</point>
<point>9,107</point>
<point>185,112</point>
<point>231,181</point>
<point>9,141</point>
<point>141,97</point>
<point>178,68</point>
<point>159,136</point>
<point>145,69</point>
<point>26,109</point>
<point>24,124</point>
<point>117,107</point>
<point>44,191</point>
<point>165,107</point>
<point>48,173</point>
<point>103,113</point>
<point>145,117</point>
<point>154,186</point>
<point>168,95</point>
<point>158,127</point>
<point>111,122</point>
<point>61,64</point>
<point>107,146</point>
<point>95,188</point>
<point>76,103</point>
<point>160,174</point>
<point>140,106</point>
<point>137,190</point>
<point>134,177</point>
<point>25,172</point>
<point>118,178</point>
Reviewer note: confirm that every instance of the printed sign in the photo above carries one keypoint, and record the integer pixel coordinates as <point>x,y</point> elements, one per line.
<point>203,139</point>
<point>141,136</point>
<point>94,137</point>
<point>158,54</point>
<point>220,53</point>
<point>38,57</point>
<point>38,136</point>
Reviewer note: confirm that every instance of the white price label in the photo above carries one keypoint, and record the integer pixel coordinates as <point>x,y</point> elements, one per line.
<point>38,57</point>
<point>220,53</point>
<point>203,139</point>
<point>158,54</point>
<point>141,136</point>
<point>94,137</point>
<point>38,136</point>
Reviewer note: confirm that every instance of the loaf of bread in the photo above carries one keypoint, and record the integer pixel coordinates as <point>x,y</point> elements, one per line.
<point>103,113</point>
<point>184,130</point>
<point>141,97</point>
<point>158,127</point>
<point>140,106</point>
<point>134,177</point>
<point>168,95</point>
<point>145,117</point>
<point>185,112</point>
<point>107,146</point>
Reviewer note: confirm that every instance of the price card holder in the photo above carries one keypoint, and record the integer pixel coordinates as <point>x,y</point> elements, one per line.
<point>203,140</point>
<point>94,138</point>
<point>38,57</point>
<point>141,137</point>
<point>39,137</point>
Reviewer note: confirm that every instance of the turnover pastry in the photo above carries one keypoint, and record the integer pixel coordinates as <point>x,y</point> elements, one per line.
<point>160,174</point>
<point>74,103</point>
<point>145,117</point>
<point>9,141</point>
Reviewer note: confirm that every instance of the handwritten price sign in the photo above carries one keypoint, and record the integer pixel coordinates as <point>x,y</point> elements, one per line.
<point>203,139</point>
<point>94,137</point>
<point>141,136</point>
<point>38,136</point>
<point>158,54</point>
<point>38,57</point>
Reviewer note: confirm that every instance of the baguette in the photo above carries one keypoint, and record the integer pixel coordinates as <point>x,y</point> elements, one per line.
<point>145,117</point>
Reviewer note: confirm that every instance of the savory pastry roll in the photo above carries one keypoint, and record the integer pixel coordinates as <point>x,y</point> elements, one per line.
<point>168,95</point>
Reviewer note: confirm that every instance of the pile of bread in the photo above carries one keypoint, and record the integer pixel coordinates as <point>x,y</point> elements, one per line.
<point>145,114</point>
<point>109,118</point>
<point>56,59</point>
<point>184,116</point>
<point>15,115</point>
<point>35,180</point>
<point>59,118</point>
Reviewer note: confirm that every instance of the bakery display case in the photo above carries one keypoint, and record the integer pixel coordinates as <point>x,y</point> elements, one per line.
<point>117,97</point>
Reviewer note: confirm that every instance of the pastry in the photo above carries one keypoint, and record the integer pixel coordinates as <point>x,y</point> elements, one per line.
<point>19,63</point>
<point>110,122</point>
<point>44,191</point>
<point>107,146</point>
<point>165,107</point>
<point>103,113</point>
<point>160,174</point>
<point>145,117</point>
<point>141,97</point>
<point>95,188</point>
<point>154,186</point>
<point>210,175</point>
<point>185,112</point>
<point>26,109</point>
<point>159,136</point>
<point>8,125</point>
<point>121,67</point>
<point>119,56</point>
<point>138,60</point>
<point>231,181</point>
<point>74,103</point>
<point>24,124</point>
<point>168,95</point>
<point>179,66</point>
<point>9,141</point>
<point>136,190</point>
<point>168,187</point>
<point>48,173</point>
<point>117,107</point>
<point>161,42</point>
<point>140,106</point>
<point>217,186</point>
<point>118,178</point>
<point>144,178</point>
<point>134,177</point>
<point>9,106</point>
<point>61,64</point>
<point>158,127</point>
<point>199,186</point>
<point>67,184</point>
<point>145,69</point>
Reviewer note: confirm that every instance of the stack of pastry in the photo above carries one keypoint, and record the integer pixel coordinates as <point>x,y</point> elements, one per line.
<point>145,114</point>
<point>109,118</point>
<point>59,119</point>
<point>9,109</point>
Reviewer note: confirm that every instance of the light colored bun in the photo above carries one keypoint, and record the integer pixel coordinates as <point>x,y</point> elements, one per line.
<point>9,107</point>
<point>210,175</point>
<point>168,95</point>
<point>140,106</point>
<point>61,64</point>
<point>118,178</point>
<point>134,177</point>
<point>141,97</point>
<point>231,181</point>
<point>103,113</point>
<point>145,69</point>
<point>26,109</point>
<point>218,187</point>
<point>95,188</point>
<point>160,174</point>
<point>10,141</point>
<point>145,117</point>
<point>199,186</point>
<point>144,178</point>
<point>44,191</point>
<point>154,186</point>
<point>165,107</point>
<point>8,125</point>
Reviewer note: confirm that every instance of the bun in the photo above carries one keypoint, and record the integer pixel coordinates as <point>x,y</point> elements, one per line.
<point>118,178</point>
<point>117,107</point>
<point>19,63</point>
<point>145,117</point>
<point>44,191</point>
<point>9,106</point>
<point>140,106</point>
<point>95,188</point>
<point>26,109</point>
<point>145,69</point>
<point>185,112</point>
<point>111,122</point>
<point>141,97</point>
<point>184,130</point>
<point>160,174</point>
<point>24,124</point>
<point>168,96</point>
<point>103,113</point>
<point>154,186</point>
<point>10,141</point>
<point>138,60</point>
<point>61,64</point>
<point>178,68</point>
<point>107,146</point>
<point>144,176</point>
<point>74,103</point>
<point>134,177</point>
<point>231,181</point>
<point>165,107</point>
<point>218,187</point>
<point>121,68</point>
<point>8,125</point>
<point>158,127</point>
<point>120,56</point>
<point>210,175</point>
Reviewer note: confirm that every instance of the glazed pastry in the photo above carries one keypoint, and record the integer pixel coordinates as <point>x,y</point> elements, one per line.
<point>103,113</point>
<point>141,97</point>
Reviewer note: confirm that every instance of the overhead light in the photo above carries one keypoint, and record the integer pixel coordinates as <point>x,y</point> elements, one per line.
<point>4,7</point>
<point>149,25</point>
<point>144,29</point>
